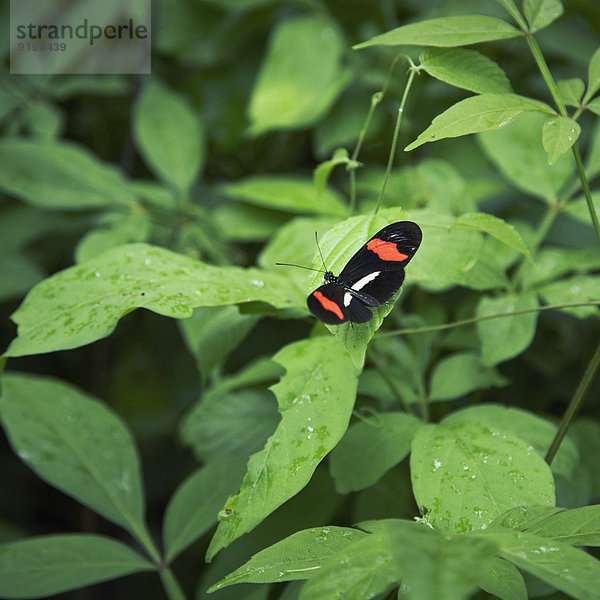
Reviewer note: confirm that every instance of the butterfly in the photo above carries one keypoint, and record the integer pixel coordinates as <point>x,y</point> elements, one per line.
<point>370,278</point>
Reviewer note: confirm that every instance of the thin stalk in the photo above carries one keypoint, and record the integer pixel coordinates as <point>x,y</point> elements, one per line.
<point>388,170</point>
<point>574,405</point>
<point>171,585</point>
<point>463,322</point>
<point>375,100</point>
<point>545,71</point>
<point>586,189</point>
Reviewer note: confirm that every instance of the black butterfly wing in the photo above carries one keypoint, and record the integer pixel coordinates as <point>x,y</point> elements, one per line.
<point>388,250</point>
<point>371,277</point>
<point>376,271</point>
<point>331,304</point>
<point>379,286</point>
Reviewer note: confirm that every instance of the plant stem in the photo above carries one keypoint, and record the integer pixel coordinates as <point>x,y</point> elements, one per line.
<point>388,170</point>
<point>171,585</point>
<point>545,71</point>
<point>375,100</point>
<point>483,318</point>
<point>586,190</point>
<point>574,405</point>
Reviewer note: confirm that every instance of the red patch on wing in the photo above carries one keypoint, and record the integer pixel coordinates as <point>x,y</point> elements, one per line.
<point>329,305</point>
<point>385,250</point>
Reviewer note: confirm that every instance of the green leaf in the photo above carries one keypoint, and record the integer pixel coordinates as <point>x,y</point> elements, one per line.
<point>45,121</point>
<point>487,271</point>
<point>458,375</point>
<point>60,176</point>
<point>534,430</point>
<point>10,95</point>
<point>558,135</point>
<point>169,135</point>
<point>503,580</point>
<point>478,113</point>
<point>575,527</point>
<point>391,496</point>
<point>315,398</point>
<point>465,474</point>
<point>119,230</point>
<point>290,194</point>
<point>300,77</point>
<point>75,444</point>
<point>432,182</point>
<point>593,83</point>
<point>213,332</point>
<point>506,336</point>
<point>497,228</point>
<point>466,69</point>
<point>428,563</point>
<point>521,517</point>
<point>587,433</point>
<point>107,85</point>
<point>451,256</point>
<point>552,263</point>
<point>236,422</point>
<point>571,91</point>
<point>594,106</point>
<point>257,373</point>
<point>322,172</point>
<point>242,222</point>
<point>21,225</point>
<point>293,558</point>
<point>193,509</point>
<point>566,568</point>
<point>404,369</point>
<point>540,13</point>
<point>295,243</point>
<point>578,288</point>
<point>338,245</point>
<point>18,274</point>
<point>371,448</point>
<point>509,6</point>
<point>83,303</point>
<point>445,31</point>
<point>518,153</point>
<point>39,567</point>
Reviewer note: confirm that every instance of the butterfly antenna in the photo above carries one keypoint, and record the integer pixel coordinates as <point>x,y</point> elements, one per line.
<point>320,253</point>
<point>308,268</point>
<point>299,266</point>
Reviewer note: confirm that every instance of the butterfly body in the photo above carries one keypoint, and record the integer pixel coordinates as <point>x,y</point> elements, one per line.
<point>370,278</point>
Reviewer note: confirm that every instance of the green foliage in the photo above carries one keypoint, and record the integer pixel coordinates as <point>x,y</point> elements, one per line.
<point>57,563</point>
<point>434,437</point>
<point>169,135</point>
<point>300,76</point>
<point>478,113</point>
<point>75,444</point>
